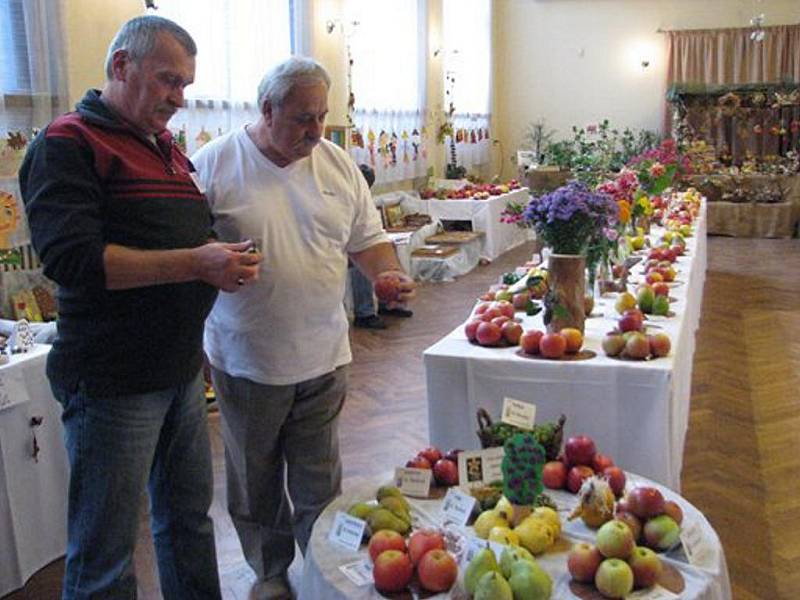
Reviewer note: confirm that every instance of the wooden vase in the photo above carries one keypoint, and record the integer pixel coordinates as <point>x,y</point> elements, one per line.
<point>567,281</point>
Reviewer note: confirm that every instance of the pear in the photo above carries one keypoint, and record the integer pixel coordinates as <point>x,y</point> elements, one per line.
<point>512,555</point>
<point>661,306</point>
<point>535,535</point>
<point>486,520</point>
<point>361,510</point>
<point>503,535</point>
<point>550,516</point>
<point>493,586</point>
<point>398,506</point>
<point>484,561</point>
<point>388,490</point>
<point>529,581</point>
<point>383,518</point>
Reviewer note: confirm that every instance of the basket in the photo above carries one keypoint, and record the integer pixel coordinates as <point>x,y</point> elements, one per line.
<point>493,434</point>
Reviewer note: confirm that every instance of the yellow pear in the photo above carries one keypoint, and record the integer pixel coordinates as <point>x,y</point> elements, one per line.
<point>535,535</point>
<point>486,520</point>
<point>504,506</point>
<point>503,535</point>
<point>550,516</point>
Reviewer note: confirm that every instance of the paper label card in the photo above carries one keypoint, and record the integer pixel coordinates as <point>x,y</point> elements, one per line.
<point>655,592</point>
<point>476,544</point>
<point>694,543</point>
<point>457,506</point>
<point>347,531</point>
<point>518,413</point>
<point>413,482</point>
<point>359,572</point>
<point>480,467</point>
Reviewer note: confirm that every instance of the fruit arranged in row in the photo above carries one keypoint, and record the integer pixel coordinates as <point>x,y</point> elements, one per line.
<point>654,521</point>
<point>444,466</point>
<point>636,345</point>
<point>581,461</point>
<point>517,575</point>
<point>392,511</point>
<point>394,561</point>
<point>477,191</point>
<point>551,344</point>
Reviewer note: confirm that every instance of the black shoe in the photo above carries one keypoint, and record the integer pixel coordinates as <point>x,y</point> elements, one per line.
<point>370,322</point>
<point>395,312</point>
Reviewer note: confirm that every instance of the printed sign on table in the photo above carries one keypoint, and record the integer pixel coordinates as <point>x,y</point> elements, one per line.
<point>518,413</point>
<point>347,531</point>
<point>413,482</point>
<point>480,467</point>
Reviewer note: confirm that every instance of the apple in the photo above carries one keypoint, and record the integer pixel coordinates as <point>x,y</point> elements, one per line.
<point>512,332</point>
<point>554,475</point>
<point>623,505</point>
<point>445,471</point>
<point>613,344</point>
<point>520,300</point>
<point>385,539</point>
<point>582,562</point>
<point>661,289</point>
<point>490,313</point>
<point>499,321</point>
<point>387,288</point>
<point>574,339</point>
<point>614,578</point>
<point>552,345</point>
<point>653,277</point>
<point>503,296</point>
<point>392,570</point>
<point>631,320</point>
<point>616,479</point>
<point>431,453</point>
<point>423,540</point>
<point>636,346</point>
<point>482,308</point>
<point>452,454</point>
<point>529,341</point>
<point>471,328</point>
<point>576,475</point>
<point>419,462</point>
<point>645,502</point>
<point>615,539</point>
<point>580,450</point>
<point>661,532</point>
<point>673,510</point>
<point>625,301</point>
<point>488,334</point>
<point>505,307</point>
<point>646,567</point>
<point>660,344</point>
<point>437,570</point>
<point>600,462</point>
<point>632,521</point>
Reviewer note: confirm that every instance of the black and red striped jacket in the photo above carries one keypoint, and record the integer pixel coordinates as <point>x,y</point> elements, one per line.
<point>88,180</point>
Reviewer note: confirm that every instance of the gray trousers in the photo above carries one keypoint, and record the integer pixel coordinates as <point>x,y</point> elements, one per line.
<point>279,439</point>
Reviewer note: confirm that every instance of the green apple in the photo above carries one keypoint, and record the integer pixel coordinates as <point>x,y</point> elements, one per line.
<point>614,578</point>
<point>646,567</point>
<point>615,540</point>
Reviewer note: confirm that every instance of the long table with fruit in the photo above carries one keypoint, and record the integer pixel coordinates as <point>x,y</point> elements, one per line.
<point>573,526</point>
<point>626,380</point>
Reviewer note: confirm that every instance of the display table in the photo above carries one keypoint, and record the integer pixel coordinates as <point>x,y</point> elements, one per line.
<point>484,215</point>
<point>636,411</point>
<point>322,578</point>
<point>33,491</point>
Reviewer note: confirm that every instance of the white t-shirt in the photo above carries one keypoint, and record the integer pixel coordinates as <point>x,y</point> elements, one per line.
<point>289,325</point>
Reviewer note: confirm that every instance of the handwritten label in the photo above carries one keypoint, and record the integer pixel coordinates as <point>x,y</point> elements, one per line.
<point>652,593</point>
<point>347,531</point>
<point>457,506</point>
<point>476,544</point>
<point>518,413</point>
<point>413,482</point>
<point>480,467</point>
<point>694,543</point>
<point>359,572</point>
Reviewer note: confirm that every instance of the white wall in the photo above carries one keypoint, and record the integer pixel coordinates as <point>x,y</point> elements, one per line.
<point>575,62</point>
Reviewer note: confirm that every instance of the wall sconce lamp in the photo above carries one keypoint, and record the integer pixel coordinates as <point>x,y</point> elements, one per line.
<point>645,63</point>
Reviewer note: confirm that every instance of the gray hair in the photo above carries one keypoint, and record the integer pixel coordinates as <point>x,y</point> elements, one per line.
<point>297,70</point>
<point>138,37</point>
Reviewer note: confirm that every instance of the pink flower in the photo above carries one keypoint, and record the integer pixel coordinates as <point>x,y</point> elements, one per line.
<point>656,170</point>
<point>610,233</point>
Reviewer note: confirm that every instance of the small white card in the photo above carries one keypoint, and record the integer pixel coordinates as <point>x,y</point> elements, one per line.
<point>347,531</point>
<point>694,543</point>
<point>518,413</point>
<point>457,506</point>
<point>359,572</point>
<point>655,592</point>
<point>475,544</point>
<point>413,482</point>
<point>480,467</point>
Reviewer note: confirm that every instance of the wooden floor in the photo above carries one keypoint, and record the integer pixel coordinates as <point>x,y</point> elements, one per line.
<point>742,459</point>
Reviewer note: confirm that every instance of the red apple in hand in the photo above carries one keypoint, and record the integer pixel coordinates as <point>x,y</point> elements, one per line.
<point>385,539</point>
<point>423,540</point>
<point>580,450</point>
<point>437,570</point>
<point>387,288</point>
<point>392,570</point>
<point>445,472</point>
<point>554,475</point>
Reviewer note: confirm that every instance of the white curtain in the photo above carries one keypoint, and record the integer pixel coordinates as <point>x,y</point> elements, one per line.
<point>238,41</point>
<point>467,36</point>
<point>386,50</point>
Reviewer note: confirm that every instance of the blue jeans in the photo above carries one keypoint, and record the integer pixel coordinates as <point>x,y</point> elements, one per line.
<point>363,303</point>
<point>117,446</point>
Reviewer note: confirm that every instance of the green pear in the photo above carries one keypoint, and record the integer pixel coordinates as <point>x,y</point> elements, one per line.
<point>529,581</point>
<point>398,506</point>
<point>361,510</point>
<point>383,518</point>
<point>512,554</point>
<point>661,306</point>
<point>388,490</point>
<point>484,561</point>
<point>493,586</point>
<point>645,298</point>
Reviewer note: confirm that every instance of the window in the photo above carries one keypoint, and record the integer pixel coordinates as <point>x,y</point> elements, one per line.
<point>14,76</point>
<point>467,33</point>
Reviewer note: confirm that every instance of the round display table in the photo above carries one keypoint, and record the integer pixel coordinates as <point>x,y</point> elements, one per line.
<point>706,577</point>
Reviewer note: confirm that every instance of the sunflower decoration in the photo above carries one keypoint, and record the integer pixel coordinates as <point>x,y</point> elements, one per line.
<point>758,99</point>
<point>729,104</point>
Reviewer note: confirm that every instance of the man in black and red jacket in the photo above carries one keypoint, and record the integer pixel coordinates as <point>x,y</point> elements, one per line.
<point>121,225</point>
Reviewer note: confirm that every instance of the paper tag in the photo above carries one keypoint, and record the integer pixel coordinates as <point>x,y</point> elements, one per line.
<point>359,572</point>
<point>347,531</point>
<point>655,592</point>
<point>694,543</point>
<point>458,506</point>
<point>518,413</point>
<point>480,467</point>
<point>475,544</point>
<point>413,482</point>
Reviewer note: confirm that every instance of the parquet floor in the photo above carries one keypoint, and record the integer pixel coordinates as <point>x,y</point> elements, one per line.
<point>742,459</point>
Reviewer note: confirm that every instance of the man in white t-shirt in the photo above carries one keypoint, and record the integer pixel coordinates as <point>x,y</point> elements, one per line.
<point>279,348</point>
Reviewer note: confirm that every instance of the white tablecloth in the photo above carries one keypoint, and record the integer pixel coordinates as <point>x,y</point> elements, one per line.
<point>636,411</point>
<point>485,216</point>
<point>708,580</point>
<point>33,495</point>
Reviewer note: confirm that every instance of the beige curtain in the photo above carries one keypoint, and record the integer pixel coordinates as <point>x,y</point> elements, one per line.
<point>729,56</point>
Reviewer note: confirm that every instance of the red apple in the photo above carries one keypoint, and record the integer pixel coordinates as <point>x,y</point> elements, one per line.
<point>553,345</point>
<point>646,567</point>
<point>659,344</point>
<point>392,570</point>
<point>529,341</point>
<point>431,453</point>
<point>631,521</point>
<point>579,450</point>
<point>616,480</point>
<point>660,289</point>
<point>645,502</point>
<point>576,476</point>
<point>490,313</point>
<point>631,320</point>
<point>488,334</point>
<point>387,288</point>
<point>471,328</point>
<point>419,462</point>
<point>582,562</point>
<point>437,570</point>
<point>385,539</point>
<point>512,332</point>
<point>423,540</point>
<point>637,346</point>
<point>482,307</point>
<point>520,300</point>
<point>554,475</point>
<point>445,471</point>
<point>673,510</point>
<point>499,321</point>
<point>601,462</point>
<point>505,307</point>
